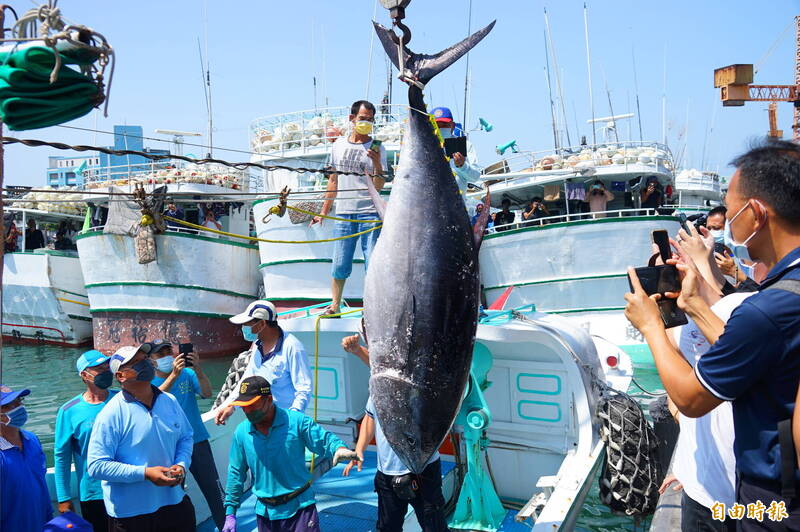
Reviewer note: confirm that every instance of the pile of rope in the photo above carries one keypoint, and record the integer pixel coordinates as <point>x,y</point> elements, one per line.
<point>38,88</point>
<point>631,473</point>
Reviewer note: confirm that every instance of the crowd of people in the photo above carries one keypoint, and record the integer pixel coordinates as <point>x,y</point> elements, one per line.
<point>132,447</point>
<point>736,364</point>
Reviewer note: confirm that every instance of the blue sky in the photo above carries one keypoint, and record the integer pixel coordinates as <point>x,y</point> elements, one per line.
<point>264,55</point>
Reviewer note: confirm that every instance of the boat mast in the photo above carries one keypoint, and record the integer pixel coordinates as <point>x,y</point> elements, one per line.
<point>207,85</point>
<point>550,91</point>
<point>466,69</point>
<point>558,76</point>
<point>371,44</point>
<point>664,102</point>
<point>589,70</point>
<point>636,90</point>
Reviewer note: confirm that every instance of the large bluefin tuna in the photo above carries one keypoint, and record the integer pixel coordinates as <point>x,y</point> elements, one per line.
<point>421,292</point>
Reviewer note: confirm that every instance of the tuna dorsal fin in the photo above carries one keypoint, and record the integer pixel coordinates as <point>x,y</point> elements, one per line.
<point>483,220</point>
<point>425,67</point>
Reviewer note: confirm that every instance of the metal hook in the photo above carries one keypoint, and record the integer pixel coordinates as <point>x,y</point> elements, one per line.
<point>280,208</point>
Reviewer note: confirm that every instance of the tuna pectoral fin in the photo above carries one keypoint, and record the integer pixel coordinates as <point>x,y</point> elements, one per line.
<point>425,67</point>
<point>483,220</point>
<point>380,205</point>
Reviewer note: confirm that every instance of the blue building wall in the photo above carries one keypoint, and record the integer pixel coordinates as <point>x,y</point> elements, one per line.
<point>63,171</point>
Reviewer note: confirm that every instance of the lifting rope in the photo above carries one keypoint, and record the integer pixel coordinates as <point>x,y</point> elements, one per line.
<point>253,238</point>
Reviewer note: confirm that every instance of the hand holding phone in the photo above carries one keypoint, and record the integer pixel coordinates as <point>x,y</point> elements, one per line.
<point>183,351</point>
<point>660,280</point>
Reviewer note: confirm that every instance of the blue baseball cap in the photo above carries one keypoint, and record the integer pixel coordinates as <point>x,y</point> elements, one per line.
<point>442,114</point>
<point>90,359</point>
<point>7,394</point>
<point>67,522</point>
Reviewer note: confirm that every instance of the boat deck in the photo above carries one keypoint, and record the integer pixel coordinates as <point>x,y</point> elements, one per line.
<point>349,504</point>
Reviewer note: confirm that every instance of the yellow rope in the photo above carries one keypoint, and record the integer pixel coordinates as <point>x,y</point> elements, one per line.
<point>327,217</point>
<point>243,237</point>
<point>316,361</point>
<point>73,301</point>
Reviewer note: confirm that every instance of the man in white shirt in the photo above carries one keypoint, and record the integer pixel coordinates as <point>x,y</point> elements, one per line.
<point>275,355</point>
<point>356,154</point>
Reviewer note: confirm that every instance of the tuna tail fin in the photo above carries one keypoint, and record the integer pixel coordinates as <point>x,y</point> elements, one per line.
<point>425,67</point>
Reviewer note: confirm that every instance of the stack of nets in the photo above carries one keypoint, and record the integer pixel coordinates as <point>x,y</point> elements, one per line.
<point>28,100</point>
<point>631,473</point>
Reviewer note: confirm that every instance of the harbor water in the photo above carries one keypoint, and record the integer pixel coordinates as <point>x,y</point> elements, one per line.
<point>49,372</point>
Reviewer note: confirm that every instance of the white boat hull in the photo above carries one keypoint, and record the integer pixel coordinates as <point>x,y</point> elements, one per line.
<point>576,269</point>
<point>186,295</point>
<point>44,299</point>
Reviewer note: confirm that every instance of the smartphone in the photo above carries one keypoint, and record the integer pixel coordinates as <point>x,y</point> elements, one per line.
<point>661,239</point>
<point>684,223</point>
<point>185,349</point>
<point>659,280</point>
<point>720,248</point>
<point>376,146</point>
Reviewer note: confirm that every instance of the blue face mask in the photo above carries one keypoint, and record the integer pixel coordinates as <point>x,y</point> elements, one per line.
<point>17,417</point>
<point>165,364</point>
<point>145,371</point>
<point>739,250</point>
<point>103,380</point>
<point>747,270</point>
<point>718,234</point>
<point>249,335</point>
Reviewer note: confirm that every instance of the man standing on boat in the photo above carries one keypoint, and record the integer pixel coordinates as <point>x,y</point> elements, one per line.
<point>754,360</point>
<point>358,154</point>
<point>184,378</point>
<point>24,499</point>
<point>271,444</point>
<point>463,164</point>
<point>141,447</point>
<point>73,429</point>
<point>395,485</point>
<point>278,357</point>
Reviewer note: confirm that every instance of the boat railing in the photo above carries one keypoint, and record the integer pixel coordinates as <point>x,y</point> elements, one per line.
<point>616,156</point>
<point>573,217</point>
<point>166,173</point>
<point>316,129</point>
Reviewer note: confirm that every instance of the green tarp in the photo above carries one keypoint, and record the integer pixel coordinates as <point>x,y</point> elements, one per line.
<point>27,98</point>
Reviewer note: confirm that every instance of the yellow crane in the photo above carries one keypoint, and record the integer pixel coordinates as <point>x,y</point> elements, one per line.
<point>736,87</point>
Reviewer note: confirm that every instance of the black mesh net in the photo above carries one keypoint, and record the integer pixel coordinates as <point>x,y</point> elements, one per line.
<point>631,473</point>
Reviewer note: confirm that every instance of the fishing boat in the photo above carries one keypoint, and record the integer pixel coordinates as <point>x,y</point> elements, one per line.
<point>574,262</point>
<point>44,298</point>
<point>297,275</point>
<point>199,278</point>
<point>531,412</point>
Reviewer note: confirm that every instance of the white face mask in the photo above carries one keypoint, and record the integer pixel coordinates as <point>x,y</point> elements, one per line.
<point>165,364</point>
<point>740,250</point>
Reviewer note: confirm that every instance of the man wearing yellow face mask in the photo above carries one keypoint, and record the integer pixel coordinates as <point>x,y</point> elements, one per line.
<point>354,154</point>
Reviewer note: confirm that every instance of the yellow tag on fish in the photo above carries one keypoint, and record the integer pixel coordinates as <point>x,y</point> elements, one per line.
<point>438,134</point>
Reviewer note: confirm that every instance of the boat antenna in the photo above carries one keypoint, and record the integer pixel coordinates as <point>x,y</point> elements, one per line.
<point>371,44</point>
<point>207,91</point>
<point>636,92</point>
<point>589,70</point>
<point>550,91</point>
<point>558,76</point>
<point>664,102</point>
<point>466,68</point>
<point>610,107</point>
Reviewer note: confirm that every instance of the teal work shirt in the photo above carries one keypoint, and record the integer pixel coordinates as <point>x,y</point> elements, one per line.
<point>185,389</point>
<point>73,427</point>
<point>277,461</point>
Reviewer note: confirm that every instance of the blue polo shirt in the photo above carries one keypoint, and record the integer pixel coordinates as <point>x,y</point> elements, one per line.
<point>756,365</point>
<point>73,427</point>
<point>24,499</point>
<point>126,438</point>
<point>185,389</point>
<point>277,461</point>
